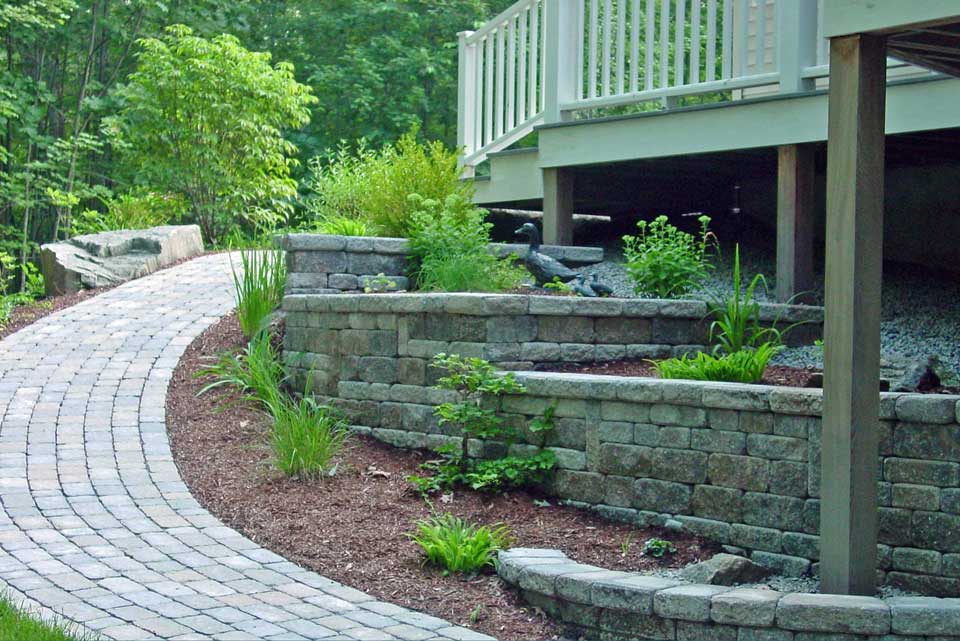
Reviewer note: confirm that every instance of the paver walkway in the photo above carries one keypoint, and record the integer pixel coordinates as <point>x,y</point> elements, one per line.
<point>96,523</point>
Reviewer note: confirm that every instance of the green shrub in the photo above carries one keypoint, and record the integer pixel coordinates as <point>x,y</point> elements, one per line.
<point>745,366</point>
<point>657,548</point>
<point>256,372</point>
<point>457,546</point>
<point>737,318</point>
<point>449,244</point>
<point>375,186</point>
<point>258,288</point>
<point>476,381</point>
<point>665,262</point>
<point>306,437</point>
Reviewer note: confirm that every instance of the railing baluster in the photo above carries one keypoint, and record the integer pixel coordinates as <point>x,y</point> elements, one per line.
<point>743,17</point>
<point>501,78</point>
<point>478,85</point>
<point>695,43</point>
<point>592,66</point>
<point>621,43</point>
<point>511,73</point>
<point>522,70</point>
<point>664,44</point>
<point>679,44</point>
<point>634,44</point>
<point>649,43</point>
<point>607,42</point>
<point>488,90</point>
<point>533,100</point>
<point>760,40</point>
<point>727,63</point>
<point>711,40</point>
<point>543,67</point>
<point>580,49</point>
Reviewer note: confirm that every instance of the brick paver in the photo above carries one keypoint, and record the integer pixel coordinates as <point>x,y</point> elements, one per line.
<point>96,523</point>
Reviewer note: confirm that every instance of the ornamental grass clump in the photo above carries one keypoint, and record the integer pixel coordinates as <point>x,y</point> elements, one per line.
<point>258,288</point>
<point>255,372</point>
<point>451,543</point>
<point>666,262</point>
<point>306,438</point>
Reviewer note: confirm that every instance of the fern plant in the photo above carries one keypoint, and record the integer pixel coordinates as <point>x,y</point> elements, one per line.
<point>745,366</point>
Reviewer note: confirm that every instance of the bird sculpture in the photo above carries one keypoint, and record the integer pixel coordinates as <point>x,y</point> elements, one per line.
<point>582,288</point>
<point>544,269</point>
<point>602,289</point>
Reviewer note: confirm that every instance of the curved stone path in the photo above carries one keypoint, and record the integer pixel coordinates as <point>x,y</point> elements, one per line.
<point>96,523</point>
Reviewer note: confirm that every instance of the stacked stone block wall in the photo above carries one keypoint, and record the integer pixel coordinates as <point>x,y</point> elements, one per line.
<point>738,464</point>
<point>600,604</point>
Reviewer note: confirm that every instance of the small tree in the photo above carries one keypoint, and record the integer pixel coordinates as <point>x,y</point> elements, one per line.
<point>205,118</point>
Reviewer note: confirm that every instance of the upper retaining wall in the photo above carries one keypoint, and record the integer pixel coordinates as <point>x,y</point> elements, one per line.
<point>322,264</point>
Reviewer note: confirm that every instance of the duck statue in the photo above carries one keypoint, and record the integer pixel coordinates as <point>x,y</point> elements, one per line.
<point>545,269</point>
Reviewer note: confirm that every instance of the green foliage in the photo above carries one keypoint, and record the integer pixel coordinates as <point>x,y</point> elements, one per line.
<point>737,318</point>
<point>745,366</point>
<point>664,261</point>
<point>135,210</point>
<point>306,437</point>
<point>258,288</point>
<point>457,546</point>
<point>204,118</point>
<point>379,283</point>
<point>255,372</point>
<point>559,286</point>
<point>657,548</point>
<point>476,382</point>
<point>449,245</point>
<point>338,225</point>
<point>375,186</point>
<point>17,623</point>
<point>32,290</point>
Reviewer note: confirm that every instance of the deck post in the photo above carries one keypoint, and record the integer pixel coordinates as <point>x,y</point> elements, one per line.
<point>795,204</point>
<point>559,58</point>
<point>557,206</point>
<point>466,100</point>
<point>854,239</point>
<point>796,43</point>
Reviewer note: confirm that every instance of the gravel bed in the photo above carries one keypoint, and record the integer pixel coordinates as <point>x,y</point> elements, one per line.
<point>920,308</point>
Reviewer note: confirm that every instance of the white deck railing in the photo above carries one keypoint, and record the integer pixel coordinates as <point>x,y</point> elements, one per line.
<point>541,61</point>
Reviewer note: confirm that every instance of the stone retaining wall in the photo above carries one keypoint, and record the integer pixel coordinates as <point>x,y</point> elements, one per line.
<point>322,264</point>
<point>606,604</point>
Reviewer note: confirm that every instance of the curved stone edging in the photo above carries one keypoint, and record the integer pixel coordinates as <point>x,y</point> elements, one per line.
<point>624,604</point>
<point>96,524</point>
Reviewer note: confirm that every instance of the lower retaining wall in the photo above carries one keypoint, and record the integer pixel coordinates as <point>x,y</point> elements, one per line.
<point>739,464</point>
<point>605,604</point>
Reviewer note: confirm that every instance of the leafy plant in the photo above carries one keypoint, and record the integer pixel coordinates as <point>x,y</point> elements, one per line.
<point>737,318</point>
<point>379,283</point>
<point>340,225</point>
<point>135,210</point>
<point>457,546</point>
<point>375,186</point>
<point>256,372</point>
<point>657,548</point>
<point>449,243</point>
<point>665,261</point>
<point>306,437</point>
<point>475,380</point>
<point>745,366</point>
<point>559,286</point>
<point>258,288</point>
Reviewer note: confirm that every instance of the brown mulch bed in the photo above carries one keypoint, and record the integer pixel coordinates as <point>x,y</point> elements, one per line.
<point>353,527</point>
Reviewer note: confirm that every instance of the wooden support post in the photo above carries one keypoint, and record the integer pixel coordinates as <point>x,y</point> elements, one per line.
<point>557,206</point>
<point>854,239</point>
<point>795,203</point>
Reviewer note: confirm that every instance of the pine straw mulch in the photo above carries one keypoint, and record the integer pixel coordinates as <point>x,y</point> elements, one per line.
<point>353,527</point>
